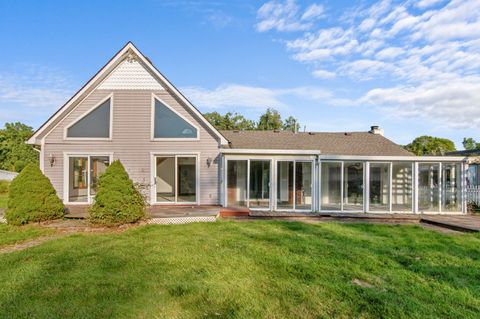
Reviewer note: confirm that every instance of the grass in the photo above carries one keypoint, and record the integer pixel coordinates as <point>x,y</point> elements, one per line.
<point>246,270</point>
<point>3,200</point>
<point>11,235</point>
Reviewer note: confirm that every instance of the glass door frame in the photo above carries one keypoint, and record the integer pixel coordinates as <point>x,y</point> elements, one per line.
<point>312,186</point>
<point>66,174</point>
<point>153,192</point>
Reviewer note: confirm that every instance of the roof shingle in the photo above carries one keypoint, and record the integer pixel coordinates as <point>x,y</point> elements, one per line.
<point>352,143</point>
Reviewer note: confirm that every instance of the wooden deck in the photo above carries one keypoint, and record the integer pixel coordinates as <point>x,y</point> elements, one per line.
<point>465,223</point>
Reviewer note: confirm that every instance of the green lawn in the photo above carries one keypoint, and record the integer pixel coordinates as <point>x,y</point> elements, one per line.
<point>246,270</point>
<point>11,234</point>
<point>3,200</point>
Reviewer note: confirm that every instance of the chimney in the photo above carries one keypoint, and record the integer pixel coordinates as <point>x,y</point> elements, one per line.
<point>376,130</point>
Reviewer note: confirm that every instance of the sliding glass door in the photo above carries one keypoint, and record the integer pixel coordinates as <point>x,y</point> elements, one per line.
<point>176,179</point>
<point>294,185</point>
<point>259,188</point>
<point>83,174</point>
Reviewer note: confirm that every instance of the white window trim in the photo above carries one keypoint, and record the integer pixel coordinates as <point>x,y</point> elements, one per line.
<point>153,173</point>
<point>78,119</point>
<point>66,174</point>
<point>152,123</point>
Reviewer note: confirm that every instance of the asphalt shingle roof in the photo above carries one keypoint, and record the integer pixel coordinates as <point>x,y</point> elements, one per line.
<point>349,143</point>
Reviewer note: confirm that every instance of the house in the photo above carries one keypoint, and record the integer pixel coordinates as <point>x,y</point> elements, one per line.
<point>131,112</point>
<point>472,165</point>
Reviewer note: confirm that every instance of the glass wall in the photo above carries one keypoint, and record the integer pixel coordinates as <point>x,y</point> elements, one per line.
<point>303,185</point>
<point>285,189</point>
<point>402,187</point>
<point>259,189</point>
<point>331,186</point>
<point>451,188</point>
<point>98,165</point>
<point>379,199</point>
<point>237,183</point>
<point>428,187</point>
<point>353,186</point>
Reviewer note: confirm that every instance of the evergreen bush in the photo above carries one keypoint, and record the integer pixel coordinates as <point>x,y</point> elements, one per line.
<point>117,200</point>
<point>32,198</point>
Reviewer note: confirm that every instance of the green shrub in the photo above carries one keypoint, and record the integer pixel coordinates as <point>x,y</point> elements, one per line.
<point>32,198</point>
<point>4,186</point>
<point>117,200</point>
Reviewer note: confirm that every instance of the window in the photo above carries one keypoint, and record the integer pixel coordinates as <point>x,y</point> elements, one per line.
<point>83,175</point>
<point>169,124</point>
<point>237,183</point>
<point>451,188</point>
<point>176,179</point>
<point>331,197</point>
<point>379,187</point>
<point>294,185</point>
<point>428,187</point>
<point>402,187</point>
<point>353,186</point>
<point>95,124</point>
<point>259,191</point>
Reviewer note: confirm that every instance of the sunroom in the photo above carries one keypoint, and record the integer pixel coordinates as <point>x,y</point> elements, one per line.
<point>306,181</point>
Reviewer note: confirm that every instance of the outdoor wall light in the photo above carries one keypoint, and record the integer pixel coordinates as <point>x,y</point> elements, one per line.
<point>209,161</point>
<point>51,159</point>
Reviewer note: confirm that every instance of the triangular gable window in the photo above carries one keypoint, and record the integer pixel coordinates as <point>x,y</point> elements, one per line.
<point>169,124</point>
<point>95,124</point>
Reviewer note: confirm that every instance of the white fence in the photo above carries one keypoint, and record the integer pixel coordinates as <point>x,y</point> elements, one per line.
<point>473,194</point>
<point>6,175</point>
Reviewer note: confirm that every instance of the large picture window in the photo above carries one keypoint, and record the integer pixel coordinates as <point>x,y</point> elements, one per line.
<point>168,124</point>
<point>95,124</point>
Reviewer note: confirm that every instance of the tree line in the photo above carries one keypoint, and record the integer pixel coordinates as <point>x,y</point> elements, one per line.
<point>270,120</point>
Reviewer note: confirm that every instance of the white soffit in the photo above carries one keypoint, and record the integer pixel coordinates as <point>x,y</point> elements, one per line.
<point>130,75</point>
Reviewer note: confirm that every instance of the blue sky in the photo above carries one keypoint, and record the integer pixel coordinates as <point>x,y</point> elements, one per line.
<point>412,67</point>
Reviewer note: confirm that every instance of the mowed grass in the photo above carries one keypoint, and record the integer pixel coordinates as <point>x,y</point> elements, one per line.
<point>11,234</point>
<point>258,269</point>
<point>3,200</point>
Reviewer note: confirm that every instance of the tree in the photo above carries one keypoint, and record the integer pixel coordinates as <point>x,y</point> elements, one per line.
<point>32,198</point>
<point>117,200</point>
<point>15,154</point>
<point>291,124</point>
<point>229,121</point>
<point>270,120</point>
<point>429,145</point>
<point>470,144</point>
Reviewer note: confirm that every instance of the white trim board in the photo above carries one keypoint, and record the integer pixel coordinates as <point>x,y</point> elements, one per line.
<point>128,49</point>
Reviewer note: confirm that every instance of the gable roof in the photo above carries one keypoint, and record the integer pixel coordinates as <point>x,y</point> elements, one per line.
<point>126,52</point>
<point>350,143</point>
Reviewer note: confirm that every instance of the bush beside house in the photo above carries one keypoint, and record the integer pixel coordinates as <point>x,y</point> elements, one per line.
<point>117,200</point>
<point>32,198</point>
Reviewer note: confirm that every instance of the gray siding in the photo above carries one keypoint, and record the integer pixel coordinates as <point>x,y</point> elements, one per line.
<point>131,140</point>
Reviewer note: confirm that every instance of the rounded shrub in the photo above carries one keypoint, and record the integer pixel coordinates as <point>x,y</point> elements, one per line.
<point>32,198</point>
<point>4,186</point>
<point>117,200</point>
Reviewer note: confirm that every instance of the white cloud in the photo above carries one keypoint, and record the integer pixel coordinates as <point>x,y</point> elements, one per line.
<point>35,87</point>
<point>287,16</point>
<point>323,74</point>
<point>314,11</point>
<point>427,3</point>
<point>236,95</point>
<point>419,58</point>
